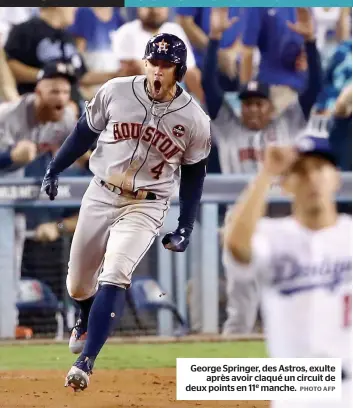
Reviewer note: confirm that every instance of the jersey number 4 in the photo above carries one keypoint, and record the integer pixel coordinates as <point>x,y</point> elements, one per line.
<point>347,310</point>
<point>157,170</point>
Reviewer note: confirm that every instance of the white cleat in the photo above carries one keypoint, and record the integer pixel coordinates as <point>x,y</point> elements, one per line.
<point>77,379</point>
<point>77,341</point>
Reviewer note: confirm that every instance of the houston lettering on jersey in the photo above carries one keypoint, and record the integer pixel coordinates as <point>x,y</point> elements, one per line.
<point>290,276</point>
<point>151,135</point>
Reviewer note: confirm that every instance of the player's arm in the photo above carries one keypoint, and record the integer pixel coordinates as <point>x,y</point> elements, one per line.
<point>193,173</point>
<point>243,219</point>
<point>84,135</point>
<point>214,93</point>
<point>76,145</point>
<point>18,155</point>
<point>250,36</point>
<point>305,27</point>
<point>186,18</point>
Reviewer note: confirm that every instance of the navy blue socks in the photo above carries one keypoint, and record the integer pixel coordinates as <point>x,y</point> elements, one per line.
<point>85,307</point>
<point>105,312</point>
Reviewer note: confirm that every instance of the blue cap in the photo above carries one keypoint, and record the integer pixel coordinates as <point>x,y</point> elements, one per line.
<point>316,146</point>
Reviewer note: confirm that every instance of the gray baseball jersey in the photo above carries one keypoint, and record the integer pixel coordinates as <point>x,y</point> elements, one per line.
<point>240,152</point>
<point>240,148</point>
<point>141,143</point>
<point>18,122</point>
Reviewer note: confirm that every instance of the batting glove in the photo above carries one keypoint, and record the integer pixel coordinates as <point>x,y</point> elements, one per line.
<point>50,184</point>
<point>176,241</point>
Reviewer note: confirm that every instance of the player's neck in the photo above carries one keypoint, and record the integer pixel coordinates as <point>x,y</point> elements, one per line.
<point>316,220</point>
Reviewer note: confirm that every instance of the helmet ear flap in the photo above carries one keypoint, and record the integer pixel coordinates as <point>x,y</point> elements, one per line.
<point>180,71</point>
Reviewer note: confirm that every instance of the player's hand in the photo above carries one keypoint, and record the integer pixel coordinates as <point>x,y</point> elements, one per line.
<point>279,159</point>
<point>220,22</point>
<point>50,184</point>
<point>24,152</point>
<point>176,241</point>
<point>47,232</point>
<point>304,24</point>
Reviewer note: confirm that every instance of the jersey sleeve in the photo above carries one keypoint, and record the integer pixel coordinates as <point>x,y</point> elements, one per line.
<point>200,142</point>
<point>261,256</point>
<point>97,110</point>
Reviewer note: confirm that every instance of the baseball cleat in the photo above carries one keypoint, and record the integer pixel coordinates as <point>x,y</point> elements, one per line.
<point>78,376</point>
<point>78,337</point>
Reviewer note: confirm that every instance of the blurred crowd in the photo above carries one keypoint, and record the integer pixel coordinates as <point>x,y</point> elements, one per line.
<point>264,75</point>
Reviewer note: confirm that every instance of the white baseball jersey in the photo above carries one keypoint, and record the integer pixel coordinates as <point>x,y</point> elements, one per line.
<point>240,149</point>
<point>130,39</point>
<point>142,143</point>
<point>305,279</point>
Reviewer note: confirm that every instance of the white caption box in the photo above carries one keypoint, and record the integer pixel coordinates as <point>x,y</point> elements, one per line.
<point>221,379</point>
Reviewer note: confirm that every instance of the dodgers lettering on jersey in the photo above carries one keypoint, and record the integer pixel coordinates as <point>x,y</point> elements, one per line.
<point>305,280</point>
<point>141,143</point>
<point>241,149</point>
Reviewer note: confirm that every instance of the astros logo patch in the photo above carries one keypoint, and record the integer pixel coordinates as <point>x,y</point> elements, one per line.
<point>163,46</point>
<point>178,130</point>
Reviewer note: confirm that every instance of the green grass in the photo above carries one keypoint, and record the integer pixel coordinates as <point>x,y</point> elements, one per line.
<point>116,356</point>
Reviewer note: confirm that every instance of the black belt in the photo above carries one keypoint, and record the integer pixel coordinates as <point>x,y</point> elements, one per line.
<point>129,194</point>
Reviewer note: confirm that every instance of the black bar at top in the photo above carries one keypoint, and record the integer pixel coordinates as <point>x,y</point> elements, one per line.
<point>62,3</point>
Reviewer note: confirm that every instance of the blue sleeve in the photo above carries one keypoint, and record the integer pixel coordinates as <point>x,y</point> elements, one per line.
<point>186,11</point>
<point>340,138</point>
<point>5,159</point>
<point>315,79</point>
<point>252,22</point>
<point>191,186</point>
<point>210,80</point>
<point>78,143</point>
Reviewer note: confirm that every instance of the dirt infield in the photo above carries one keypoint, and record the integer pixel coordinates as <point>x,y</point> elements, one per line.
<point>108,389</point>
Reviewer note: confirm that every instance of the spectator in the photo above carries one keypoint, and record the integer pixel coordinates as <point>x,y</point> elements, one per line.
<point>196,24</point>
<point>130,39</point>
<point>43,39</point>
<point>282,62</point>
<point>332,27</point>
<point>338,75</point>
<point>340,135</point>
<point>92,30</point>
<point>241,140</point>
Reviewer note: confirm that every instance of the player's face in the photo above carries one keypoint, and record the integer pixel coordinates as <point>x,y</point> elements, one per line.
<point>313,181</point>
<point>256,112</point>
<point>54,95</point>
<point>153,17</point>
<point>161,79</point>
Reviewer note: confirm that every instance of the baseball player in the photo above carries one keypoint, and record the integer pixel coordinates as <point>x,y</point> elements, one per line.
<point>34,124</point>
<point>241,136</point>
<point>149,130</point>
<point>303,262</point>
